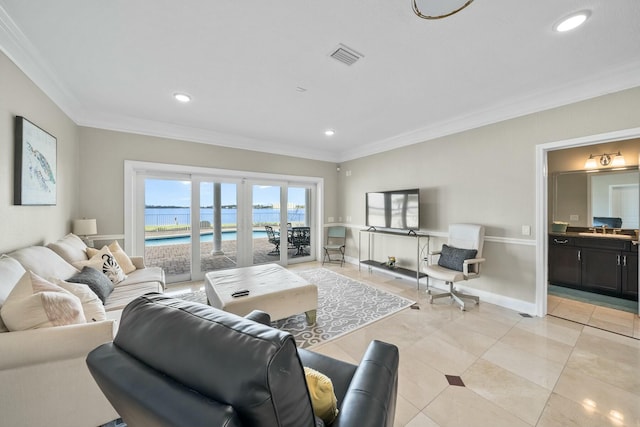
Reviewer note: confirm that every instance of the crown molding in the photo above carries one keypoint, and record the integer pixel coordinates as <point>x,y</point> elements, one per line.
<point>204,136</point>
<point>27,58</point>
<point>616,80</point>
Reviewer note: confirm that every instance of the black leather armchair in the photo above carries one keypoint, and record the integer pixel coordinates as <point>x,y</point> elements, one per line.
<point>177,363</point>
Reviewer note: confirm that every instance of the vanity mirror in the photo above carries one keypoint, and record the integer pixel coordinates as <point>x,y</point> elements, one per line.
<point>578,196</point>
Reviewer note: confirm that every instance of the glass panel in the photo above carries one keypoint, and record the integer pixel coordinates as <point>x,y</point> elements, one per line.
<point>218,226</point>
<point>300,236</point>
<point>167,225</point>
<point>268,237</point>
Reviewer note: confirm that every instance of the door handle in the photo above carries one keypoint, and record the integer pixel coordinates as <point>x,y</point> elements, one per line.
<point>618,259</point>
<point>579,255</point>
<point>624,260</point>
<point>561,242</point>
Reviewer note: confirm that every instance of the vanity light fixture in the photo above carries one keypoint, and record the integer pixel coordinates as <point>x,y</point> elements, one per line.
<point>572,21</point>
<point>182,97</point>
<point>329,132</point>
<point>605,160</point>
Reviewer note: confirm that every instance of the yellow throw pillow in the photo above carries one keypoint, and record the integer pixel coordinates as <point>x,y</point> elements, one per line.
<point>323,398</point>
<point>123,259</point>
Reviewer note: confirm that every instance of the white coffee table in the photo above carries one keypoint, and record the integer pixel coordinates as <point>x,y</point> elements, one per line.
<point>272,288</point>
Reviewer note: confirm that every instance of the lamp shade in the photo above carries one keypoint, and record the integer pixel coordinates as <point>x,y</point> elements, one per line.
<point>591,163</point>
<point>85,227</point>
<point>618,161</point>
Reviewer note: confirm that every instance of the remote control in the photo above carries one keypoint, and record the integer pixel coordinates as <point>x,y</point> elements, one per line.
<point>241,293</point>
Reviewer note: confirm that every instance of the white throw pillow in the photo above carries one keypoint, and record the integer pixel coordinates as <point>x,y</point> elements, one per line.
<point>37,303</point>
<point>91,305</point>
<point>104,261</point>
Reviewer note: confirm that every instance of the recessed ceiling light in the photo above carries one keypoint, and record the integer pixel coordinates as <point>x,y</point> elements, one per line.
<point>182,97</point>
<point>329,132</point>
<point>572,21</point>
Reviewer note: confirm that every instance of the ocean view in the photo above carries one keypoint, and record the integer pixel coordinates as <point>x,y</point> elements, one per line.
<point>172,216</point>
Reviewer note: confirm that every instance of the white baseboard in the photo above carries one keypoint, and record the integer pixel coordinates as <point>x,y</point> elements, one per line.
<point>491,298</point>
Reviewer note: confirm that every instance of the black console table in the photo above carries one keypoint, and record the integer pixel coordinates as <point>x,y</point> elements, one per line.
<point>382,265</point>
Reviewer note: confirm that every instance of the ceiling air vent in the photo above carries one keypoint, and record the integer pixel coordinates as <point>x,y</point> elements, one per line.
<point>346,55</point>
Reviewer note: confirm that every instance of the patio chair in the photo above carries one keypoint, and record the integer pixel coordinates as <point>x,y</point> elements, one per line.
<point>300,237</point>
<point>336,242</point>
<point>274,238</point>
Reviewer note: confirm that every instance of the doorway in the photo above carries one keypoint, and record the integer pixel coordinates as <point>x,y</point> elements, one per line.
<point>543,199</point>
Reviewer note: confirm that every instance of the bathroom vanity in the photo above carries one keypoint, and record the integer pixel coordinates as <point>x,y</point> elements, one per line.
<point>595,262</point>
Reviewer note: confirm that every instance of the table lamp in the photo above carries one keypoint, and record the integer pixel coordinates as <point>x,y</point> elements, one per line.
<point>84,228</point>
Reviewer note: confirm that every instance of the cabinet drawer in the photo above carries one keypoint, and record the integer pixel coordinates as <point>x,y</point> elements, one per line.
<point>561,241</point>
<point>602,243</point>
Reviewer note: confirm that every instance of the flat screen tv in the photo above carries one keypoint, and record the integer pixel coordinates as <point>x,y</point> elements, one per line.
<point>398,209</point>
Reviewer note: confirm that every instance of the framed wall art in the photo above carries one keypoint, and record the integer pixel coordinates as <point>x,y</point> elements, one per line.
<point>35,165</point>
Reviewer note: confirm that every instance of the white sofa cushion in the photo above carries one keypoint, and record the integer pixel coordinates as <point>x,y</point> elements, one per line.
<point>10,273</point>
<point>71,248</point>
<point>44,262</point>
<point>37,303</point>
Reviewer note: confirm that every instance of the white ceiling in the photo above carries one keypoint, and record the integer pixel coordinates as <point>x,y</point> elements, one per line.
<point>115,65</point>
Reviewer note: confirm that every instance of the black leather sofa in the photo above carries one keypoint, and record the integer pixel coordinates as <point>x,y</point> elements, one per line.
<point>177,363</point>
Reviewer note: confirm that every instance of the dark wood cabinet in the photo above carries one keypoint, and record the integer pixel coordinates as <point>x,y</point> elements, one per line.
<point>601,271</point>
<point>594,264</point>
<point>630,275</point>
<point>564,263</point>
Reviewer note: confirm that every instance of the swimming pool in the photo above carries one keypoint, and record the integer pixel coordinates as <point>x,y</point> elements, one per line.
<point>205,237</point>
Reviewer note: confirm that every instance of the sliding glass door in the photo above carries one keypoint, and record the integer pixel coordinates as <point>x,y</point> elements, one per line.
<point>190,224</point>
<point>167,226</point>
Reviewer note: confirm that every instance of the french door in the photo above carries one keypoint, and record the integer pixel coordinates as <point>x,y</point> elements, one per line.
<point>193,223</point>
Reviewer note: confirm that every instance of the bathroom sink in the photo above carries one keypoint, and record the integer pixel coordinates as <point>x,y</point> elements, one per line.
<point>608,236</point>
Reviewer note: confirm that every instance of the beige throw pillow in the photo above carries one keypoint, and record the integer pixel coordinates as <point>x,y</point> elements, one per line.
<point>122,258</point>
<point>104,261</point>
<point>37,303</point>
<point>119,254</point>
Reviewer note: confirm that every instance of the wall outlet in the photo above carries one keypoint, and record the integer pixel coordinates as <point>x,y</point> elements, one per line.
<point>348,173</point>
<point>526,230</point>
<point>330,219</point>
<point>574,217</point>
<point>348,218</point>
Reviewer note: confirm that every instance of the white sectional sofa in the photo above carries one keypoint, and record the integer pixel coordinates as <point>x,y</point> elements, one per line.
<point>44,380</point>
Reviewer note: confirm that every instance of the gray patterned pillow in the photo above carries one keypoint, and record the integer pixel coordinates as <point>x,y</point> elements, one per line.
<point>97,282</point>
<point>452,258</point>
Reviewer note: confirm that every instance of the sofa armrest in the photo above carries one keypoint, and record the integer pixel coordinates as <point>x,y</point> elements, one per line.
<point>35,346</point>
<point>138,262</point>
<point>371,397</point>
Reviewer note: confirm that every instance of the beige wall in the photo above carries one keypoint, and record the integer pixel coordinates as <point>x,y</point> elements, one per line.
<point>487,176</point>
<point>26,225</point>
<point>102,171</point>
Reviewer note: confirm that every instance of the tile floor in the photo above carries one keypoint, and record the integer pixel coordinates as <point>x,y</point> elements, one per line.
<point>618,321</point>
<point>517,371</point>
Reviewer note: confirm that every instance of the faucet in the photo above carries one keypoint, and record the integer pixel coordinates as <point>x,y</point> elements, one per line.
<point>604,229</point>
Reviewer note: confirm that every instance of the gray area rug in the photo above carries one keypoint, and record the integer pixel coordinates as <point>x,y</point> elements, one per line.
<point>344,304</point>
